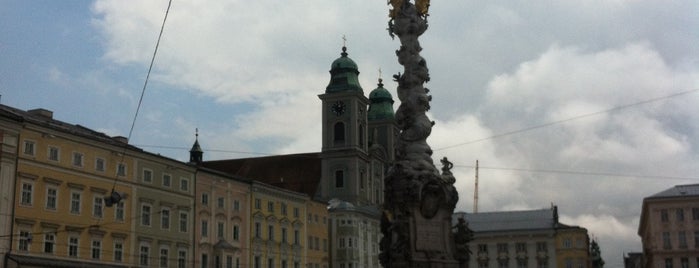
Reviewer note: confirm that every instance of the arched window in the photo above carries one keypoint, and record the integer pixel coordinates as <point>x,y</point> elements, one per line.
<point>339,132</point>
<point>339,179</point>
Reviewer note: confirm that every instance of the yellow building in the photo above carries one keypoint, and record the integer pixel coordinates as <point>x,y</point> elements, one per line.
<point>572,247</point>
<point>64,172</point>
<point>317,229</point>
<point>278,230</point>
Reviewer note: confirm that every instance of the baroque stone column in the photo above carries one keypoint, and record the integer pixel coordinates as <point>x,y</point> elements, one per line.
<point>418,200</point>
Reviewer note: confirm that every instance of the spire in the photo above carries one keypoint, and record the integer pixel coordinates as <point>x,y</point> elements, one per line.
<point>196,154</point>
<point>381,103</point>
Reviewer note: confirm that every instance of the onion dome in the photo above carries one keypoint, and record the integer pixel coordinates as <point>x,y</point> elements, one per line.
<point>343,75</point>
<point>381,104</point>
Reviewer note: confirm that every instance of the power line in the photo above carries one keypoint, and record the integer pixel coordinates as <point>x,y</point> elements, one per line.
<point>568,119</point>
<point>586,173</point>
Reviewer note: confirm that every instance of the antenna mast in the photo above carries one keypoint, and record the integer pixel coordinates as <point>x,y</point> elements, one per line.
<point>475,192</point>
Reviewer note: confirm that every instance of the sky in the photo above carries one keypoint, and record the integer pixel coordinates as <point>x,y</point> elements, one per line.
<point>588,105</point>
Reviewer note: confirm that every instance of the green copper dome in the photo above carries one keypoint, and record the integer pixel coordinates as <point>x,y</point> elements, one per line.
<point>381,104</point>
<point>343,75</point>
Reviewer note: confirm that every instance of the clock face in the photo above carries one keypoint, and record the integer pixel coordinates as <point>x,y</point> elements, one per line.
<point>338,108</point>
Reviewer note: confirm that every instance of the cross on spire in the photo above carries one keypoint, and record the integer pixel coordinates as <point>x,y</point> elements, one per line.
<point>344,41</point>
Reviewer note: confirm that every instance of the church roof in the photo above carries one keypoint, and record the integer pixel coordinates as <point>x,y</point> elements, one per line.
<point>343,75</point>
<point>381,104</point>
<point>296,172</point>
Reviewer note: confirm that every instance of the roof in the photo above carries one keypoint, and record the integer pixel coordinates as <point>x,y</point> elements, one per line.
<point>343,75</point>
<point>296,172</point>
<point>509,220</point>
<point>381,106</point>
<point>44,118</point>
<point>38,261</point>
<point>678,191</point>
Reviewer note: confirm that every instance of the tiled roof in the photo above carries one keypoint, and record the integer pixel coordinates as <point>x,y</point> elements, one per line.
<point>296,172</point>
<point>508,220</point>
<point>679,191</point>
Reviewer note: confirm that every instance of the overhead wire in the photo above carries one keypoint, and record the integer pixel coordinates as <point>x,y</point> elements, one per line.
<point>585,173</point>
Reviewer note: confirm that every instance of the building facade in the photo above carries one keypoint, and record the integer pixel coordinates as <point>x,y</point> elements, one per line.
<point>529,238</point>
<point>63,173</point>
<point>10,126</point>
<point>669,227</point>
<point>317,239</point>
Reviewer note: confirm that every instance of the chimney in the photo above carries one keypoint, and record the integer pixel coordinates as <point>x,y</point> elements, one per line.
<point>121,139</point>
<point>41,112</point>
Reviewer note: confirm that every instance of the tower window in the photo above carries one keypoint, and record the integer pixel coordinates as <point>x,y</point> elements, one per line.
<point>361,135</point>
<point>339,132</point>
<point>339,179</point>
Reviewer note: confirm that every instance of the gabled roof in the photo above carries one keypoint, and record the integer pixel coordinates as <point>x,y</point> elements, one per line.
<point>296,172</point>
<point>541,219</point>
<point>679,191</point>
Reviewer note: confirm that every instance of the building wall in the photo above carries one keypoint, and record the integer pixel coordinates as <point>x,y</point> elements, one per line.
<point>317,247</point>
<point>664,223</point>
<point>536,248</point>
<point>9,141</point>
<point>270,221</point>
<point>222,213</point>
<point>71,171</point>
<point>572,248</point>
<point>164,212</point>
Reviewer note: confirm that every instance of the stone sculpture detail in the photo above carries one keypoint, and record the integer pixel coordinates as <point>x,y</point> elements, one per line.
<point>418,200</point>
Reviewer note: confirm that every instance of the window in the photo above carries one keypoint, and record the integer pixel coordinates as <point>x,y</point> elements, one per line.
<point>682,237</point>
<point>258,230</point>
<point>696,240</point>
<point>119,211</point>
<point>325,244</point>
<point>99,164</point>
<point>181,258</point>
<point>118,251</point>
<point>73,246</point>
<point>184,185</point>
<point>53,153</point>
<point>541,246</point>
<point>257,262</point>
<point>75,202</point>
<point>270,206</point>
<point>27,191</point>
<point>339,132</point>
<point>96,249</point>
<point>339,179</point>
<point>29,148</point>
<point>167,180</point>
<point>666,240</point>
<point>684,262</point>
<point>163,257</point>
<point>219,231</point>
<point>680,214</point>
<point>78,159</point>
<point>144,252</point>
<point>121,169</point>
<point>183,222</point>
<point>568,263</point>
<point>296,212</point>
<point>284,240</point>
<point>97,206</point>
<point>668,263</point>
<point>145,215</point>
<point>297,237</point>
<point>695,214</point>
<point>24,239</point>
<point>51,196</point>
<point>49,242</point>
<point>236,205</point>
<point>521,247</point>
<point>204,261</point>
<point>165,219</point>
<point>220,202</point>
<point>204,228</point>
<point>270,232</point>
<point>258,204</point>
<point>270,263</point>
<point>283,208</point>
<point>147,176</point>
<point>664,216</point>
<point>567,243</point>
<point>236,233</point>
<point>521,263</point>
<point>229,262</point>
<point>205,198</point>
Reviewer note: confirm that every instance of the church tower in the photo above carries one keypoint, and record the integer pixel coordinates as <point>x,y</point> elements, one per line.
<point>345,160</point>
<point>196,154</point>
